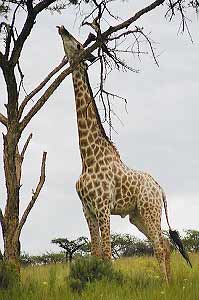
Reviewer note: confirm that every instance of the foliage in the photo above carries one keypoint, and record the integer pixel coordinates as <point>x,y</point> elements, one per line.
<point>8,275</point>
<point>127,245</point>
<point>123,245</point>
<point>46,258</point>
<point>4,9</point>
<point>90,269</point>
<point>79,246</point>
<point>191,240</point>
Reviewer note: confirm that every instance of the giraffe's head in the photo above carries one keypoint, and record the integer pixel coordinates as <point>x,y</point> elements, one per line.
<point>72,47</point>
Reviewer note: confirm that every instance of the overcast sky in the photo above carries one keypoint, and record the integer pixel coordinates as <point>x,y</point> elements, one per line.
<point>159,135</point>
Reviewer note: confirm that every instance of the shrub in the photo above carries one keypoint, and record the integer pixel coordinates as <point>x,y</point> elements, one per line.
<point>8,275</point>
<point>89,269</point>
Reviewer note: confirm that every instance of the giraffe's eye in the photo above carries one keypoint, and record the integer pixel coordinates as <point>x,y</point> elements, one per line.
<point>78,46</point>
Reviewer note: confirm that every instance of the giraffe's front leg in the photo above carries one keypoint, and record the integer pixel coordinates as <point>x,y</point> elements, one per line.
<point>94,234</point>
<point>91,221</point>
<point>104,222</point>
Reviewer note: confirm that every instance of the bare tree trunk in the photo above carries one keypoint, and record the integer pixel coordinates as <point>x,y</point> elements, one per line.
<point>12,245</point>
<point>10,222</point>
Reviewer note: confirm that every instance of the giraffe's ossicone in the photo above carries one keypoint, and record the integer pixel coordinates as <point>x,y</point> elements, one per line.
<point>106,186</point>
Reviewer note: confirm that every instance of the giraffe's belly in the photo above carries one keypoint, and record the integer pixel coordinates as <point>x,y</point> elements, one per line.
<point>126,194</point>
<point>123,206</point>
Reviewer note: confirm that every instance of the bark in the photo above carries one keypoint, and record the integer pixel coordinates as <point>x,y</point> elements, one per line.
<point>12,243</point>
<point>11,216</point>
<point>70,256</point>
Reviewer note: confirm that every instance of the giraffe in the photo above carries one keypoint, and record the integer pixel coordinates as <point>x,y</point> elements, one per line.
<point>106,186</point>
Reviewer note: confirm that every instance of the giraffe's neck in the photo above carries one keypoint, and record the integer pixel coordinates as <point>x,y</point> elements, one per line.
<point>92,135</point>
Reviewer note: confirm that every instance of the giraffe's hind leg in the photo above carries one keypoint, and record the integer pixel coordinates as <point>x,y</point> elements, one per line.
<point>152,230</point>
<point>161,252</point>
<point>167,247</point>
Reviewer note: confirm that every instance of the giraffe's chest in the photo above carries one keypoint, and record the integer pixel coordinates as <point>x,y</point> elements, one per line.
<point>94,188</point>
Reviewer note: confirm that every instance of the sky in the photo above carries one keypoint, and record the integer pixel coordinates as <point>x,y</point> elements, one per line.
<point>158,133</point>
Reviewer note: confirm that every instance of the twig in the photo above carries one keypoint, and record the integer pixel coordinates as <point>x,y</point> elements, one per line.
<point>151,47</point>
<point>124,34</point>
<point>180,6</point>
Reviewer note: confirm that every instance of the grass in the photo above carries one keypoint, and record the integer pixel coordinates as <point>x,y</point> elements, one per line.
<point>144,282</point>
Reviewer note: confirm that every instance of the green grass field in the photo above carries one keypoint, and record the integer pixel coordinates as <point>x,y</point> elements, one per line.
<point>51,282</point>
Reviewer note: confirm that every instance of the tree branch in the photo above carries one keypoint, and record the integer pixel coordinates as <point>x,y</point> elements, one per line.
<point>19,159</point>
<point>29,5</point>
<point>38,105</point>
<point>10,31</point>
<point>40,86</point>
<point>2,221</point>
<point>25,147</point>
<point>42,5</point>
<point>3,119</point>
<point>28,25</point>
<point>35,194</point>
<point>2,60</point>
<point>131,20</point>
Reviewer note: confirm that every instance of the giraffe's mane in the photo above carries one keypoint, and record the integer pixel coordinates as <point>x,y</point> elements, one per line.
<point>98,116</point>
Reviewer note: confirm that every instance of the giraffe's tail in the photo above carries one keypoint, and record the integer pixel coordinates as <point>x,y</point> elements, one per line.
<point>174,235</point>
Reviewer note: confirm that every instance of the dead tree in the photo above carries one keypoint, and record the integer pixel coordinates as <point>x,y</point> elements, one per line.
<point>15,122</point>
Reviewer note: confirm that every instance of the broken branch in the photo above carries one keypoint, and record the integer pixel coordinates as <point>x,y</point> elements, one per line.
<point>3,119</point>
<point>25,146</point>
<point>35,194</point>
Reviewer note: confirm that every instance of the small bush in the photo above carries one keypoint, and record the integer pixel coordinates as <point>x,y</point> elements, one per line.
<point>8,275</point>
<point>89,269</point>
